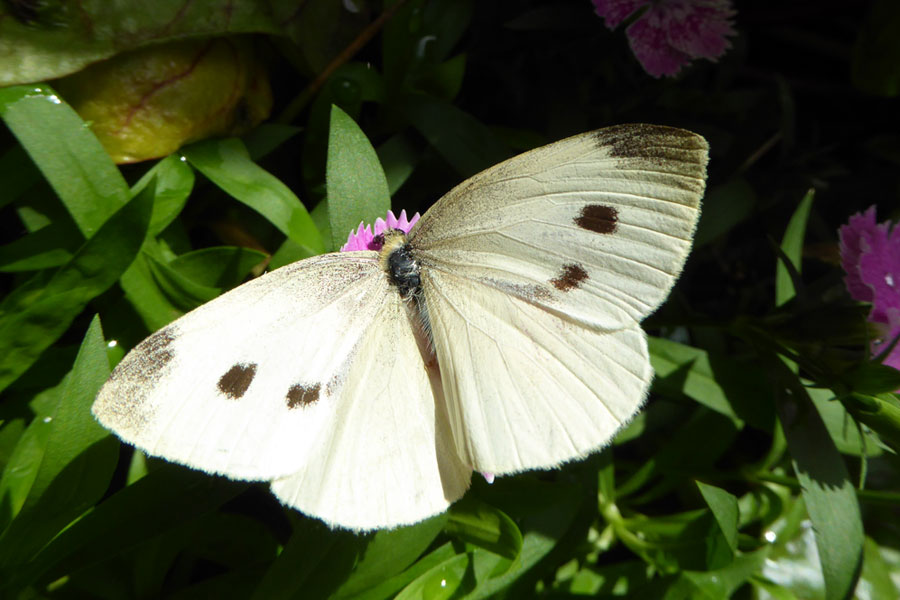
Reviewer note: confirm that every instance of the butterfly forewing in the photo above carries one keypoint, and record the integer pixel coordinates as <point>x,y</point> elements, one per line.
<point>596,226</point>
<point>245,384</point>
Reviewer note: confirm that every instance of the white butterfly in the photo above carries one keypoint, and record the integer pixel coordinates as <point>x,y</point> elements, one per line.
<point>502,334</point>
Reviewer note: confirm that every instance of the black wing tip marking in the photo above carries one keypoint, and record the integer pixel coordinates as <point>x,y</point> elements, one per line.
<point>303,395</point>
<point>570,277</point>
<point>598,218</point>
<point>644,140</point>
<point>148,359</point>
<point>236,381</point>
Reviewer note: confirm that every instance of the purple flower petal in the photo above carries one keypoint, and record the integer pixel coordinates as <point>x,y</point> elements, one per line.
<point>870,255</point>
<point>616,11</point>
<point>879,269</point>
<point>851,236</point>
<point>671,33</point>
<point>366,238</point>
<point>651,47</point>
<point>702,31</point>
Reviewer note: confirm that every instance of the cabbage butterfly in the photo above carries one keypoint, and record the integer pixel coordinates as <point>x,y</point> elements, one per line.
<point>502,334</point>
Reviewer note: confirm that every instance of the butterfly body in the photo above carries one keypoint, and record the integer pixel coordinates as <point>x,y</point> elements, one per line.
<point>500,334</point>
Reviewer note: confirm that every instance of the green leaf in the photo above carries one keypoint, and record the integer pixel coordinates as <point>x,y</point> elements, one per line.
<point>719,583</point>
<point>227,164</point>
<point>62,41</point>
<point>46,248</point>
<point>146,296</point>
<point>388,553</point>
<point>841,428</point>
<point>312,564</point>
<point>485,526</point>
<point>727,387</point>
<point>76,465</point>
<point>34,315</point>
<point>691,540</point>
<point>792,247</point>
<point>67,153</point>
<point>174,181</point>
<point>73,428</point>
<point>221,267</point>
<point>440,582</point>
<point>357,188</point>
<point>25,460</point>
<point>829,494</point>
<point>724,507</point>
<point>183,292</point>
<point>877,574</point>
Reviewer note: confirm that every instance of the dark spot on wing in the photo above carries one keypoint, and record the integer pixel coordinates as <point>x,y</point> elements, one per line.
<point>570,277</point>
<point>598,218</point>
<point>144,364</point>
<point>302,395</point>
<point>236,380</point>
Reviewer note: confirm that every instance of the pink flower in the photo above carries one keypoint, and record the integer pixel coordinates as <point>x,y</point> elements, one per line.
<point>870,254</point>
<point>366,238</point>
<point>671,33</point>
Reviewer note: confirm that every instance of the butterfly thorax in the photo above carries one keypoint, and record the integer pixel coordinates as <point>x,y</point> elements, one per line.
<point>397,260</point>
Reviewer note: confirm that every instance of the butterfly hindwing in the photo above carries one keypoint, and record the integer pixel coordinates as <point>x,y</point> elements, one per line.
<point>525,388</point>
<point>389,457</point>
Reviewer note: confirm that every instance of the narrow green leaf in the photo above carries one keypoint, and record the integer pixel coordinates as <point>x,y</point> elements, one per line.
<point>357,188</point>
<point>77,462</point>
<point>73,427</point>
<point>792,246</point>
<point>46,248</point>
<point>227,164</point>
<point>34,315</point>
<point>174,181</point>
<point>67,153</point>
<point>724,507</point>
<point>485,526</point>
<point>25,461</point>
<point>829,494</point>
